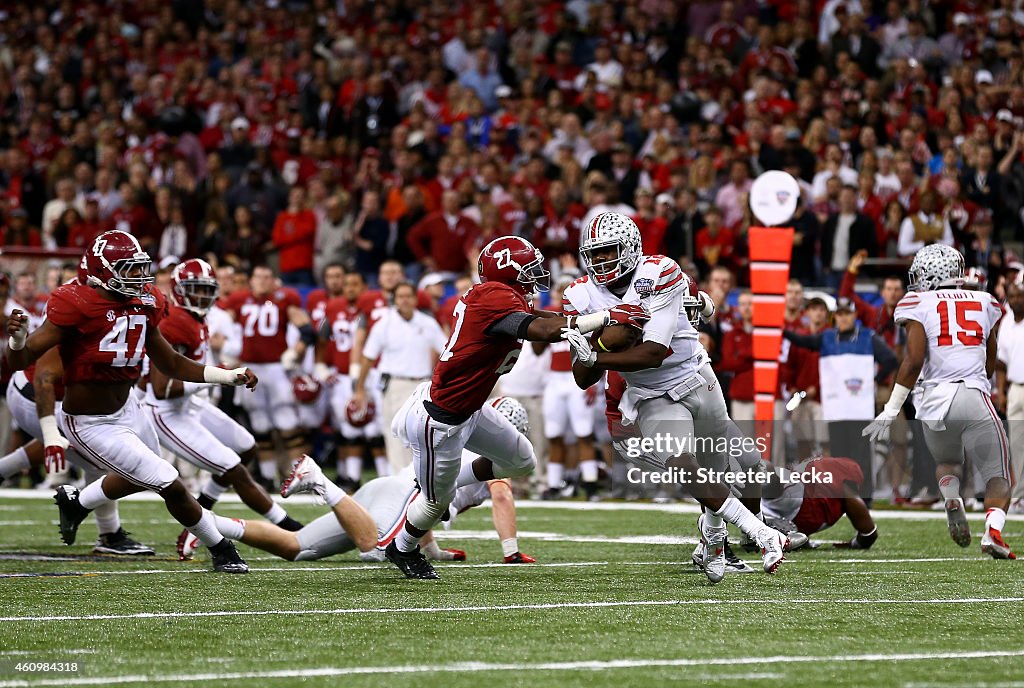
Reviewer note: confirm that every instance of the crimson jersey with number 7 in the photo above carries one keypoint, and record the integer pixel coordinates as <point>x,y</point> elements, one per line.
<point>957,324</point>
<point>104,340</point>
<point>472,360</point>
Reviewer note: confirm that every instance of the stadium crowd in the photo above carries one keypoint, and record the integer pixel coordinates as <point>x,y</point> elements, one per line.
<point>310,134</point>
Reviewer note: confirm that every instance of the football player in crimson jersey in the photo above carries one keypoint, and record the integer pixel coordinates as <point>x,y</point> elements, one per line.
<point>264,311</point>
<point>447,415</point>
<point>189,425</point>
<point>951,350</point>
<point>334,364</point>
<point>103,329</point>
<point>671,386</point>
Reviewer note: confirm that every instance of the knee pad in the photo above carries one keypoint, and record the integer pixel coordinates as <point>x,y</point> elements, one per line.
<point>163,476</point>
<point>424,514</point>
<point>523,463</point>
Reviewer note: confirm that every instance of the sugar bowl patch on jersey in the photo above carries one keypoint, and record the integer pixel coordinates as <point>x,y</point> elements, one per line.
<point>644,287</point>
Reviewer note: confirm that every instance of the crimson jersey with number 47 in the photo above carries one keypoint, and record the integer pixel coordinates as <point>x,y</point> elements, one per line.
<point>341,318</point>
<point>472,360</point>
<point>264,322</point>
<point>957,324</point>
<point>105,340</point>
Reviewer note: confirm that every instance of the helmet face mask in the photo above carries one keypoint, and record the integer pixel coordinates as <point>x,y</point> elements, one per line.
<point>534,276</point>
<point>194,286</point>
<point>117,263</point>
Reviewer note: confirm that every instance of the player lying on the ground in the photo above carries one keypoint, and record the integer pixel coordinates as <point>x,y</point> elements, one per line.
<point>449,414</point>
<point>370,519</point>
<point>33,396</point>
<point>671,388</point>
<point>951,353</point>
<point>189,425</point>
<point>103,329</point>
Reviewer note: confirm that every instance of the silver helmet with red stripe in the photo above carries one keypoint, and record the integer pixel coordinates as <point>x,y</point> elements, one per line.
<point>934,266</point>
<point>606,232</point>
<point>514,411</point>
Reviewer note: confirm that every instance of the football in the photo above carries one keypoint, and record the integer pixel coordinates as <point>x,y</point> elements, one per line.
<point>615,338</point>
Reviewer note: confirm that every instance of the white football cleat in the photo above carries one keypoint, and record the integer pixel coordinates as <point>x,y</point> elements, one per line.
<point>712,559</point>
<point>306,476</point>
<point>187,544</point>
<point>773,546</point>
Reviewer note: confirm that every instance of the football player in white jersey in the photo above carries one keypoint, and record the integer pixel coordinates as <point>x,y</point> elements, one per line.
<point>950,355</point>
<point>671,389</point>
<point>370,519</point>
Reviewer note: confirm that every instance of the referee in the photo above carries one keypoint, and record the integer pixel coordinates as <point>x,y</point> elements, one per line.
<point>408,342</point>
<point>1010,381</point>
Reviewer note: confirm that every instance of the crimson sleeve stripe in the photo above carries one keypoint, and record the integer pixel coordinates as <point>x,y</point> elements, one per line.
<point>669,270</point>
<point>670,283</point>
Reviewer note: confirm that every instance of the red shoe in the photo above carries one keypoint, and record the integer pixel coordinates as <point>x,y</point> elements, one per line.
<point>457,554</point>
<point>993,545</point>
<point>520,558</point>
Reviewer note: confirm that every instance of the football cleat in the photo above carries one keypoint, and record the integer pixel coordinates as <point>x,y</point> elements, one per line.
<point>773,545</point>
<point>957,522</point>
<point>306,476</point>
<point>993,545</point>
<point>457,554</point>
<point>519,558</point>
<point>226,558</point>
<point>413,564</point>
<point>712,559</point>
<point>734,564</point>
<point>187,545</point>
<point>118,542</point>
<point>72,513</point>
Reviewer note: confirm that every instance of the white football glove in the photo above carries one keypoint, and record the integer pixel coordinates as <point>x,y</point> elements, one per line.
<point>580,346</point>
<point>290,360</point>
<point>322,372</point>
<point>880,425</point>
<point>707,305</point>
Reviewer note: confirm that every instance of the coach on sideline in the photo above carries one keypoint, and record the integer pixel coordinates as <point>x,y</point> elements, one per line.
<point>1010,381</point>
<point>408,343</point>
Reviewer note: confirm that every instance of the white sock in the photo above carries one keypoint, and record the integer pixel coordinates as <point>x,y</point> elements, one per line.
<point>949,486</point>
<point>92,495</point>
<point>713,520</point>
<point>735,513</point>
<point>405,542</point>
<point>382,466</point>
<point>14,463</point>
<point>276,514</point>
<point>354,468</point>
<point>231,528</point>
<point>556,474</point>
<point>509,546</point>
<point>108,520</point>
<point>588,470</point>
<point>467,476</point>
<point>332,493</point>
<point>213,489</point>
<point>995,518</point>
<point>206,529</point>
<point>268,469</point>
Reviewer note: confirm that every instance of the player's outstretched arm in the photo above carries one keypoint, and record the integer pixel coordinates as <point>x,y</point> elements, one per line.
<point>23,349</point>
<point>163,357</point>
<point>551,327</point>
<point>906,377</point>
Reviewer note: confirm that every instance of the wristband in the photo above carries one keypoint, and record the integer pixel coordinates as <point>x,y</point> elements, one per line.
<point>16,343</point>
<point>592,321</point>
<point>897,398</point>
<point>321,372</point>
<point>353,371</point>
<point>219,376</point>
<point>51,435</point>
<point>601,345</point>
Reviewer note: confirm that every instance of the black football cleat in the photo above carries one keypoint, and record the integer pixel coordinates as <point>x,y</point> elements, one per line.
<point>412,564</point>
<point>226,558</point>
<point>72,513</point>
<point>118,542</point>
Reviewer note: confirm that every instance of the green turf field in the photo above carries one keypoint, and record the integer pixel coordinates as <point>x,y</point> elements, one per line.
<point>610,604</point>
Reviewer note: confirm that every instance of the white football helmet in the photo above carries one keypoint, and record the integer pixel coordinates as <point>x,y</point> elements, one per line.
<point>936,266</point>
<point>606,230</point>
<point>514,411</point>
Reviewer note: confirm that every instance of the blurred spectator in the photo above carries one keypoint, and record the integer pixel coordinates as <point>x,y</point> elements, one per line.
<point>54,209</point>
<point>924,227</point>
<point>728,197</point>
<point>89,226</point>
<point>294,236</point>
<point>685,223</point>
<point>334,233</point>
<point>371,233</point>
<point>846,232</point>
<point>714,243</point>
<point>738,359</point>
<point>18,232</point>
<point>482,80</point>
<point>438,240</point>
<point>652,226</point>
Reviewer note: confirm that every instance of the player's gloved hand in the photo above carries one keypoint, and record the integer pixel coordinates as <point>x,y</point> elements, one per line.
<point>580,346</point>
<point>290,359</point>
<point>322,373</point>
<point>54,445</point>
<point>707,304</point>
<point>632,314</point>
<point>17,330</point>
<point>880,425</point>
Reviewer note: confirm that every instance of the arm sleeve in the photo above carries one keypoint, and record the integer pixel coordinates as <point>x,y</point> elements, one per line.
<point>887,361</point>
<point>511,325</point>
<point>807,341</point>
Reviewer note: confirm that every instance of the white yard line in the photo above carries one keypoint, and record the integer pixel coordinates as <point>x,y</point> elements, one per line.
<point>478,667</point>
<point>496,608</point>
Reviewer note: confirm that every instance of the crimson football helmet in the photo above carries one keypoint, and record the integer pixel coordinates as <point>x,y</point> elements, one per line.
<point>305,388</point>
<point>691,300</point>
<point>516,262</point>
<point>116,262</point>
<point>358,417</point>
<point>194,286</point>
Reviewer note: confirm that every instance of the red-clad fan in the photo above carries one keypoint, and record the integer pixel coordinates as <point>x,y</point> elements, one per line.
<point>342,316</point>
<point>103,330</point>
<point>449,414</point>
<point>264,311</point>
<point>28,299</point>
<point>186,423</point>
